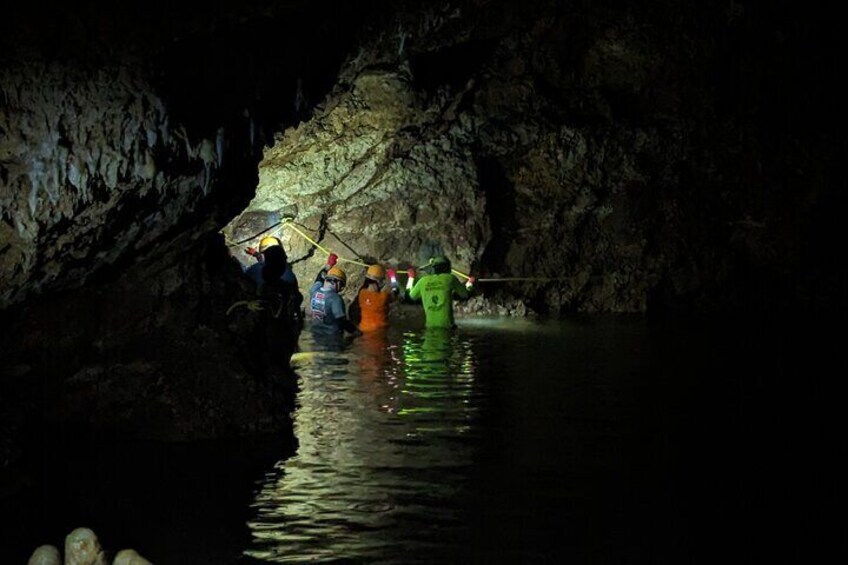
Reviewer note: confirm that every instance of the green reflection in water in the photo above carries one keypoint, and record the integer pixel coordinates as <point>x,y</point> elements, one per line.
<point>377,424</point>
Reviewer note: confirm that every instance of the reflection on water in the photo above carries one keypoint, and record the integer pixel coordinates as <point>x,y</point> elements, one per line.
<point>381,427</point>
<point>602,440</point>
<point>498,442</point>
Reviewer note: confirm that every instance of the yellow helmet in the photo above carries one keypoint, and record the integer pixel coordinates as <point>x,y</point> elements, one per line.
<point>375,273</point>
<point>269,241</point>
<point>338,274</point>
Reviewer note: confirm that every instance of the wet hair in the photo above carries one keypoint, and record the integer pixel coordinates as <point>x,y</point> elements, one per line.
<point>275,263</point>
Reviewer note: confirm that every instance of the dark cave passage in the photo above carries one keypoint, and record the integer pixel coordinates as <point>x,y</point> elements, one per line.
<point>500,209</point>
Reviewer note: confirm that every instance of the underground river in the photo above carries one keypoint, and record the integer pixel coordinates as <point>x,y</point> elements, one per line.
<point>598,439</point>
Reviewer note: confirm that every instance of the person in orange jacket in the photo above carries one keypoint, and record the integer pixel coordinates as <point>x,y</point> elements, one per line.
<point>374,298</point>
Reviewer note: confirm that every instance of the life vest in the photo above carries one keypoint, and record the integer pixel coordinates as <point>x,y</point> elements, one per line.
<point>318,305</point>
<point>374,306</point>
<point>327,309</point>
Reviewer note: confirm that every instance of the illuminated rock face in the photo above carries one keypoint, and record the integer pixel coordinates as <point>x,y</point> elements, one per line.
<point>383,193</point>
<point>438,145</point>
<point>587,147</point>
<point>426,146</point>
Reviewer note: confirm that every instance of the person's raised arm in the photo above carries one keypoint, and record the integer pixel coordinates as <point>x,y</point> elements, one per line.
<point>413,287</point>
<point>332,259</point>
<point>463,290</point>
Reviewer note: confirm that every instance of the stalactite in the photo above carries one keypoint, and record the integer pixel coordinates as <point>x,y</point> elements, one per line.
<point>165,132</point>
<point>208,155</point>
<point>152,136</point>
<point>51,186</point>
<point>299,99</point>
<point>219,146</point>
<point>207,178</point>
<point>402,35</point>
<point>112,166</point>
<point>36,173</point>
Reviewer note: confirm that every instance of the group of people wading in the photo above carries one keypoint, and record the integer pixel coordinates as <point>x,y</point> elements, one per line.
<point>277,285</point>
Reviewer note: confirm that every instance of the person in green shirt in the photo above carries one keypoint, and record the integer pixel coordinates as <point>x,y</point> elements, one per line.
<point>436,292</point>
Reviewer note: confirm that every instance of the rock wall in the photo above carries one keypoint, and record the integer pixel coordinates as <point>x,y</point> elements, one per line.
<point>609,150</point>
<point>115,284</point>
<point>93,169</point>
<point>379,202</point>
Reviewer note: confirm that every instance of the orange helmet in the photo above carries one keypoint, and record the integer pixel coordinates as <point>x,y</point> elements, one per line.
<point>375,273</point>
<point>269,241</point>
<point>337,274</point>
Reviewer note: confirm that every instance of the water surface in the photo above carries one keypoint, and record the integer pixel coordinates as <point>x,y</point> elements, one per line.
<point>592,440</point>
<point>504,440</point>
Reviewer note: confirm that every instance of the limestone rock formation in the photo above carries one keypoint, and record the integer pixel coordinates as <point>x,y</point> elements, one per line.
<point>92,168</point>
<point>83,548</point>
<point>580,146</point>
<point>45,555</point>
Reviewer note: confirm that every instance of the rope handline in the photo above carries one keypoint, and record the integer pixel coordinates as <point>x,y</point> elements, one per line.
<point>354,262</point>
<point>306,237</point>
<point>319,246</point>
<point>349,248</point>
<point>454,271</point>
<point>322,228</point>
<point>287,222</point>
<point>252,305</point>
<point>509,279</point>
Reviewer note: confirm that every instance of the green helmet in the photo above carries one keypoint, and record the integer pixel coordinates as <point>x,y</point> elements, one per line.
<point>440,263</point>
